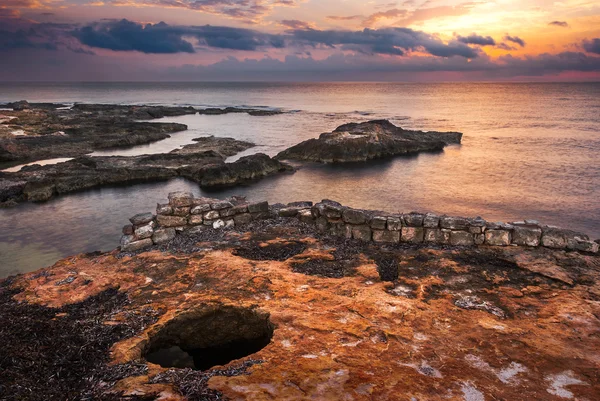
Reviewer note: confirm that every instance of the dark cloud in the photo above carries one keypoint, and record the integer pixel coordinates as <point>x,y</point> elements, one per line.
<point>515,39</point>
<point>505,46</point>
<point>24,39</point>
<point>592,46</point>
<point>344,18</point>
<point>562,24</point>
<point>475,39</point>
<point>126,35</point>
<point>392,41</point>
<point>296,24</point>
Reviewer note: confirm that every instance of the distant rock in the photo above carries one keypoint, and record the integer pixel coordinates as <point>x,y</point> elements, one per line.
<point>357,142</point>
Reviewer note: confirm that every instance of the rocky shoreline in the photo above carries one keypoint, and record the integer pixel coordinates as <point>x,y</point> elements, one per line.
<point>334,315</point>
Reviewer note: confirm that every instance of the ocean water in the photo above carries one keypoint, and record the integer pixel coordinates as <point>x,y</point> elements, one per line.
<point>528,151</point>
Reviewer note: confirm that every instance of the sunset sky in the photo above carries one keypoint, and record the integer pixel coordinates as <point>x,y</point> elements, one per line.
<point>299,40</point>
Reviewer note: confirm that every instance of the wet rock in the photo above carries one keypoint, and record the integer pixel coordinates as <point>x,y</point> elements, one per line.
<point>454,223</point>
<point>20,105</point>
<point>137,245</point>
<point>354,216</point>
<point>386,236</point>
<point>526,236</point>
<point>366,141</point>
<point>171,221</point>
<point>461,238</point>
<point>414,235</point>
<point>497,237</point>
<point>11,189</point>
<point>163,235</point>
<point>362,232</point>
<point>179,199</point>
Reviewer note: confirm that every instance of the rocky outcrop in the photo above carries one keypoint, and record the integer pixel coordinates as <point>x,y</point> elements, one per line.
<point>224,146</point>
<point>365,141</point>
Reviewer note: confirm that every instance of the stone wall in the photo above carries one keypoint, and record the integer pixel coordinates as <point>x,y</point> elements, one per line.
<point>184,212</point>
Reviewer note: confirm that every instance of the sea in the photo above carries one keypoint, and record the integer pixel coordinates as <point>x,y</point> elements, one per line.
<point>529,151</point>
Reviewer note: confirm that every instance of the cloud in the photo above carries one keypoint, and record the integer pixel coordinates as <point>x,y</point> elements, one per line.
<point>162,38</point>
<point>344,18</point>
<point>390,41</point>
<point>296,24</point>
<point>382,15</point>
<point>562,24</point>
<point>425,14</point>
<point>505,46</point>
<point>475,39</point>
<point>592,46</point>
<point>515,39</point>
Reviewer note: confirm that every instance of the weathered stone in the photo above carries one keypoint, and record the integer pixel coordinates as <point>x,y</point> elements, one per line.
<point>137,245</point>
<point>260,215</point>
<point>227,212</point>
<point>221,205</point>
<point>127,239</point>
<point>526,236</point>
<point>413,219</point>
<point>144,232</point>
<point>213,214</point>
<point>195,219</point>
<point>361,232</point>
<point>338,229</point>
<point>171,221</point>
<point>414,235</point>
<point>208,223</point>
<point>237,209</point>
<point>394,223</point>
<point>582,245</point>
<point>322,224</point>
<point>258,207</point>
<point>497,237</point>
<point>431,221</point>
<point>200,209</point>
<point>196,229</point>
<point>332,211</point>
<point>164,208</point>
<point>479,239</point>
<point>386,236</point>
<point>229,223</point>
<point>454,223</point>
<point>218,224</point>
<point>478,222</point>
<point>475,230</point>
<point>301,204</point>
<point>243,218</point>
<point>289,211</point>
<point>163,235</point>
<point>181,211</point>
<point>306,216</point>
<point>532,222</point>
<point>461,238</point>
<point>141,219</point>
<point>499,226</point>
<point>378,222</point>
<point>178,199</point>
<point>128,229</point>
<point>437,235</point>
<point>554,238</point>
<point>354,216</point>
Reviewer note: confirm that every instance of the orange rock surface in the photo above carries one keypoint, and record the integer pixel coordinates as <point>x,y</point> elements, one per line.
<point>457,324</point>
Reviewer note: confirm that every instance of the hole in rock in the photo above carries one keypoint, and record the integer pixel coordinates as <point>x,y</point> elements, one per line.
<point>209,337</point>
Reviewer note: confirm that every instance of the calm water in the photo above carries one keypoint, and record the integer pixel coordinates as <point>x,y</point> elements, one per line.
<point>529,151</point>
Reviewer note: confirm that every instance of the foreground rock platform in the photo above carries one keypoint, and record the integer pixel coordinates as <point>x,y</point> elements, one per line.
<point>359,142</point>
<point>344,318</point>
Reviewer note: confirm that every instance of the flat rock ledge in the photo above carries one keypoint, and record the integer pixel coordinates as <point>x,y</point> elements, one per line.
<point>186,213</point>
<point>359,142</point>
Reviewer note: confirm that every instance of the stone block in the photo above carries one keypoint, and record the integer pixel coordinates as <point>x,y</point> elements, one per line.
<point>478,222</point>
<point>171,221</point>
<point>479,239</point>
<point>237,209</point>
<point>413,235</point>
<point>181,211</point>
<point>227,212</point>
<point>200,209</point>
<point>137,245</point>
<point>128,229</point>
<point>219,223</point>
<point>178,199</point>
<point>331,211</point>
<point>163,235</point>
<point>127,239</point>
<point>301,205</point>
<point>141,219</point>
<point>354,216</point>
<point>526,236</point>
<point>582,245</point>
<point>461,238</point>
<point>413,219</point>
<point>144,232</point>
<point>260,215</point>
<point>164,208</point>
<point>208,223</point>
<point>437,235</point>
<point>258,207</point>
<point>195,219</point>
<point>197,229</point>
<point>221,205</point>
<point>431,221</point>
<point>213,214</point>
<point>378,222</point>
<point>229,223</point>
<point>475,230</point>
<point>362,232</point>
<point>554,238</point>
<point>291,211</point>
<point>394,223</point>
<point>386,236</point>
<point>322,224</point>
<point>454,223</point>
<point>499,226</point>
<point>337,229</point>
<point>497,237</point>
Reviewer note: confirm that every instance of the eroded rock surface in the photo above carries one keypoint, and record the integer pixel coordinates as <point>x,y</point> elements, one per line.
<point>352,320</point>
<point>357,142</point>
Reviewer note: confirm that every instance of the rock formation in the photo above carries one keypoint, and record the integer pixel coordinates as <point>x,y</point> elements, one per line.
<point>365,141</point>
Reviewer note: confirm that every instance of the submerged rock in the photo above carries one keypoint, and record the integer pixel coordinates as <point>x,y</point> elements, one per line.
<point>356,142</point>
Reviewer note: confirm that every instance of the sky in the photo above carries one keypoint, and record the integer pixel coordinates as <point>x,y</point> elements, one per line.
<point>299,40</point>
